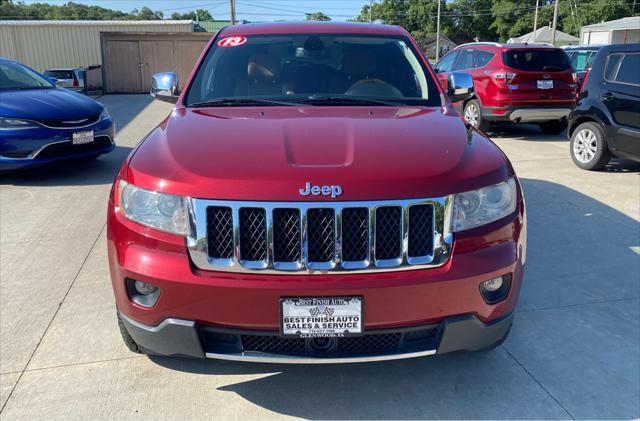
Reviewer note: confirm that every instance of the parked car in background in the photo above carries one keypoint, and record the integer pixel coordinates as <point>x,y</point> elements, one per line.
<point>581,58</point>
<point>68,78</point>
<point>606,121</point>
<point>514,83</point>
<point>40,123</point>
<point>313,197</point>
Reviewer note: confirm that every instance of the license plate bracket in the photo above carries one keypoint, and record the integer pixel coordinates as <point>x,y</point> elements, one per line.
<point>81,138</point>
<point>328,317</point>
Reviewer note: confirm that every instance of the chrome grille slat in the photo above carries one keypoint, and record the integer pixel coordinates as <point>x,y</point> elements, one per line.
<point>420,241</point>
<point>253,238</point>
<point>355,237</point>
<point>287,239</point>
<point>321,237</point>
<point>220,234</point>
<point>388,239</point>
<point>316,237</point>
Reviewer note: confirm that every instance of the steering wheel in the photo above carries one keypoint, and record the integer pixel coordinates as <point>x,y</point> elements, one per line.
<point>373,87</point>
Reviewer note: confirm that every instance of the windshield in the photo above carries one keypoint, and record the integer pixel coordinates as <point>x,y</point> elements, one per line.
<point>336,69</point>
<point>16,76</point>
<point>581,60</point>
<point>536,60</point>
<point>59,74</point>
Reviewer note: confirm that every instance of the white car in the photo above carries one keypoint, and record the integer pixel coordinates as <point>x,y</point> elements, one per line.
<point>68,78</point>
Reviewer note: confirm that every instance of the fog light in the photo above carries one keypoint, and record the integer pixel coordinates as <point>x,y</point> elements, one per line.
<point>495,290</point>
<point>145,288</point>
<point>142,293</point>
<point>490,285</point>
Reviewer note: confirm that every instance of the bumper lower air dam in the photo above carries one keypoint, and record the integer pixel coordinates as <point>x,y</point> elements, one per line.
<point>178,337</point>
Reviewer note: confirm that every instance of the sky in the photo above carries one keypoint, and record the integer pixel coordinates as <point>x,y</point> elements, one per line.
<point>251,10</point>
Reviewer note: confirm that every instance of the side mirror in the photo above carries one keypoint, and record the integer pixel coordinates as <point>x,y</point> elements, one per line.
<point>54,81</point>
<point>164,86</point>
<point>460,86</point>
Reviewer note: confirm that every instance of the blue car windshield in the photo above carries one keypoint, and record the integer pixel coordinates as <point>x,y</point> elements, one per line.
<point>14,76</point>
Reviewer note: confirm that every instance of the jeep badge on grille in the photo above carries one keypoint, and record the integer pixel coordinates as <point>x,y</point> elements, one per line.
<point>333,191</point>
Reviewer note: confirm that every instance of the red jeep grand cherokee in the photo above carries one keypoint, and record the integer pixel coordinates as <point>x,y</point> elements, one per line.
<point>516,83</point>
<point>314,197</point>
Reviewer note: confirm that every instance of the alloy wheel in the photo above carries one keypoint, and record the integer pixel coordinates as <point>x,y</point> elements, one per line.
<point>585,146</point>
<point>471,114</point>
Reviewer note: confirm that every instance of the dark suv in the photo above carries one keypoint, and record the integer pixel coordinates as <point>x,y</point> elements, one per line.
<point>606,121</point>
<point>516,83</point>
<point>581,58</point>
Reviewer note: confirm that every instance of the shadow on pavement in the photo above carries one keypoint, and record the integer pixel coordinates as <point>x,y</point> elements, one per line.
<point>102,170</point>
<point>575,243</point>
<point>525,132</point>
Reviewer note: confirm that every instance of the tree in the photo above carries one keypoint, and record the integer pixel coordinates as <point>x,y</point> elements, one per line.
<point>471,19</point>
<point>417,16</point>
<point>10,9</point>
<point>145,14</point>
<point>318,16</point>
<point>513,18</point>
<point>202,14</point>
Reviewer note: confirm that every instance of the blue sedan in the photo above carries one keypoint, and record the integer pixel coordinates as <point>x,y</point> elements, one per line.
<point>41,124</point>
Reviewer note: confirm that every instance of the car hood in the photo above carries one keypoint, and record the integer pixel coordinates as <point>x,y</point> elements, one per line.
<point>269,153</point>
<point>47,104</point>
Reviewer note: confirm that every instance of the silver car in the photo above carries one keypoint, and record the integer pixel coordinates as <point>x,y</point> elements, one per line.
<point>68,78</point>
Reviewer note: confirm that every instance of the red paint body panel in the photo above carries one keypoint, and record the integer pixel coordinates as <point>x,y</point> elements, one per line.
<point>251,301</point>
<point>267,154</point>
<point>375,153</point>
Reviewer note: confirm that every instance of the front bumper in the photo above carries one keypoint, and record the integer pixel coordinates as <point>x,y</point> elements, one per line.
<point>41,146</point>
<point>526,114</point>
<point>177,337</point>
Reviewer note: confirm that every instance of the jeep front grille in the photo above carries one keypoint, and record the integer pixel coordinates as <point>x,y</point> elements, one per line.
<point>316,237</point>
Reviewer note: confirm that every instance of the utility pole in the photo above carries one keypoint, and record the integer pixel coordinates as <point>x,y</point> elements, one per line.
<point>370,7</point>
<point>535,22</point>
<point>232,11</point>
<point>438,34</point>
<point>555,22</point>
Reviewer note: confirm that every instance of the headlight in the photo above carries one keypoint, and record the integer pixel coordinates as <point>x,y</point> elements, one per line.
<point>479,207</point>
<point>16,123</point>
<point>104,115</point>
<point>165,212</point>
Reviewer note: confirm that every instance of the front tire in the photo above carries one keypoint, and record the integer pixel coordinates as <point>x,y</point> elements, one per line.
<point>589,149</point>
<point>473,115</point>
<point>128,340</point>
<point>553,127</point>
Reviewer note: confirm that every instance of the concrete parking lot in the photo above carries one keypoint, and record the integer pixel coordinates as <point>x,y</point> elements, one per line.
<point>574,350</point>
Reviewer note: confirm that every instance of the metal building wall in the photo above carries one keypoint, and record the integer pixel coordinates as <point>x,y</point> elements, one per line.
<point>49,44</point>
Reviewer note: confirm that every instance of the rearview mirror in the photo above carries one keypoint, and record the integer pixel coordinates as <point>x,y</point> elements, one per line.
<point>164,86</point>
<point>460,86</point>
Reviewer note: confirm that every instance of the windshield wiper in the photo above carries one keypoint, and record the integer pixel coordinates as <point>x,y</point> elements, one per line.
<point>238,102</point>
<point>330,100</point>
<point>552,68</point>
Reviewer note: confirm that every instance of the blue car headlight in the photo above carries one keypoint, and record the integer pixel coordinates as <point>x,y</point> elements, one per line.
<point>104,115</point>
<point>17,124</point>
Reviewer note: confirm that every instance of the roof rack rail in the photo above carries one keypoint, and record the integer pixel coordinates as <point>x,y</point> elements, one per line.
<point>495,44</point>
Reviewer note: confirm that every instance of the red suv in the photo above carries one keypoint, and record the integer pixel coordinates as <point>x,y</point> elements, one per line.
<point>516,83</point>
<point>313,197</point>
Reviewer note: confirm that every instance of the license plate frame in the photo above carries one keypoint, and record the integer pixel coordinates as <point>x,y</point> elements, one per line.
<point>544,84</point>
<point>341,310</point>
<point>82,138</point>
